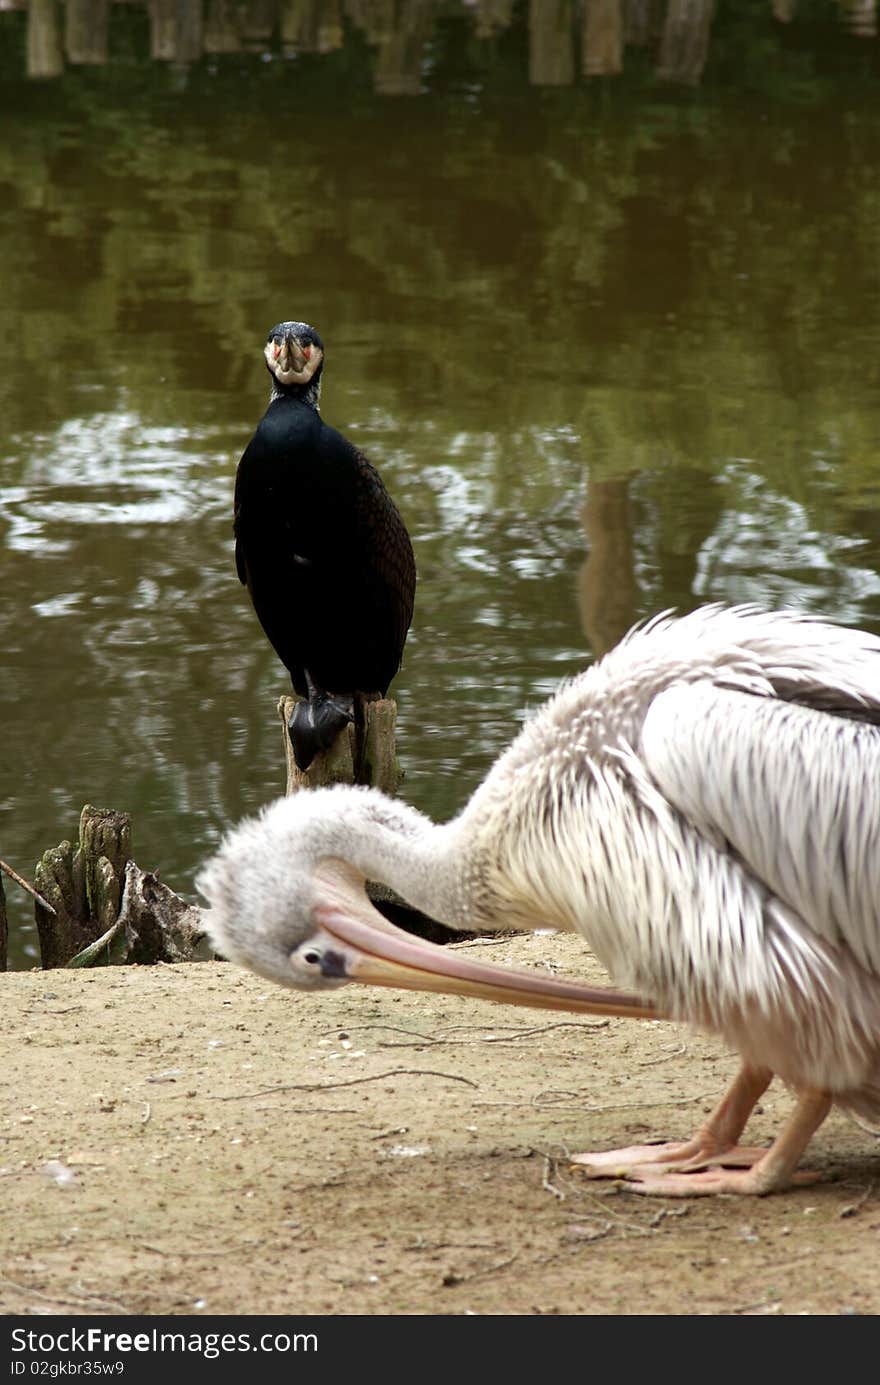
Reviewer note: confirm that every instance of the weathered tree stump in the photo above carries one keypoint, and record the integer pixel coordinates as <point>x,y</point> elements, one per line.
<point>159,925</point>
<point>153,925</point>
<point>83,883</point>
<point>377,764</point>
<point>108,910</point>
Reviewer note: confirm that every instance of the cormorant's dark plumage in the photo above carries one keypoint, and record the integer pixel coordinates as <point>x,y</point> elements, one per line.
<point>322,549</point>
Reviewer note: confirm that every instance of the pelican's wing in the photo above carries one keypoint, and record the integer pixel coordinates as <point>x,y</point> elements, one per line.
<point>791,790</point>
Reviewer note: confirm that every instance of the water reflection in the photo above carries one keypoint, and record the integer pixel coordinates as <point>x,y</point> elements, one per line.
<point>609,599</point>
<point>567,39</point>
<point>614,349</point>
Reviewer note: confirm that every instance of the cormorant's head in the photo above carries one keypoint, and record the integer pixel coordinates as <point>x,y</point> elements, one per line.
<point>295,356</point>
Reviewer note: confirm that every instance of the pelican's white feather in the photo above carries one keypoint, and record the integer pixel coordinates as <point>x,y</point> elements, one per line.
<point>703,805</point>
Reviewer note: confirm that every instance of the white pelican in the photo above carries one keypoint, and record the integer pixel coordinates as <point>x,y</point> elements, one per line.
<point>702,804</point>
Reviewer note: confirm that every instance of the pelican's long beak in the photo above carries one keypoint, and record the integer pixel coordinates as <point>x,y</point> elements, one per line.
<point>356,943</point>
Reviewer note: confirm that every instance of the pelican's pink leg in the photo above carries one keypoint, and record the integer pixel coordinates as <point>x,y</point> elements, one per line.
<point>772,1171</point>
<point>718,1136</point>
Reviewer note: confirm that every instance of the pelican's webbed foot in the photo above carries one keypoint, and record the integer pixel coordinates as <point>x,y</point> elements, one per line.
<point>712,1162</point>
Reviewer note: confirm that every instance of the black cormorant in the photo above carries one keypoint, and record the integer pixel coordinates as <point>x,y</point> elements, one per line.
<point>321,548</point>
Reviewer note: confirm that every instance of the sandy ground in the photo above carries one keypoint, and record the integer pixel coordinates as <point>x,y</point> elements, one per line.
<point>189,1139</point>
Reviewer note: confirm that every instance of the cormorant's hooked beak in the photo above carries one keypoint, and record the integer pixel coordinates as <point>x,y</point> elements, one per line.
<point>291,362</point>
<point>352,941</point>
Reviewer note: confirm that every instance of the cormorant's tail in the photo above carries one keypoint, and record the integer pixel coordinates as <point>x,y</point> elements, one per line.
<point>315,723</point>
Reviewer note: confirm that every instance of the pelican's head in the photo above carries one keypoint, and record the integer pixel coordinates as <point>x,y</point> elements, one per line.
<point>266,888</point>
<point>285,902</point>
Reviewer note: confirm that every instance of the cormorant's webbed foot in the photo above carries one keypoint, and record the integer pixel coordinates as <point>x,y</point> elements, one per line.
<point>314,724</point>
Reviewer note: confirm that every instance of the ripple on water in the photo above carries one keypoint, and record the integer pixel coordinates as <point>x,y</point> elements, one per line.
<point>108,468</point>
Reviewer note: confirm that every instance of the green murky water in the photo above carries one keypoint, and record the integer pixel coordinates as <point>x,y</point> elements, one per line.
<point>615,346</point>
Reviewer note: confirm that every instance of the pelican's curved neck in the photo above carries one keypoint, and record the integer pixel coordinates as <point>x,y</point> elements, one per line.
<point>393,844</point>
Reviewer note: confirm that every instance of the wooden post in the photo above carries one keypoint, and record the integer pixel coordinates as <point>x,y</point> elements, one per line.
<point>380,767</point>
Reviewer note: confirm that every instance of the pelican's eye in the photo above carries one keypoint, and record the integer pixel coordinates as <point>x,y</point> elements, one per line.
<point>323,960</point>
